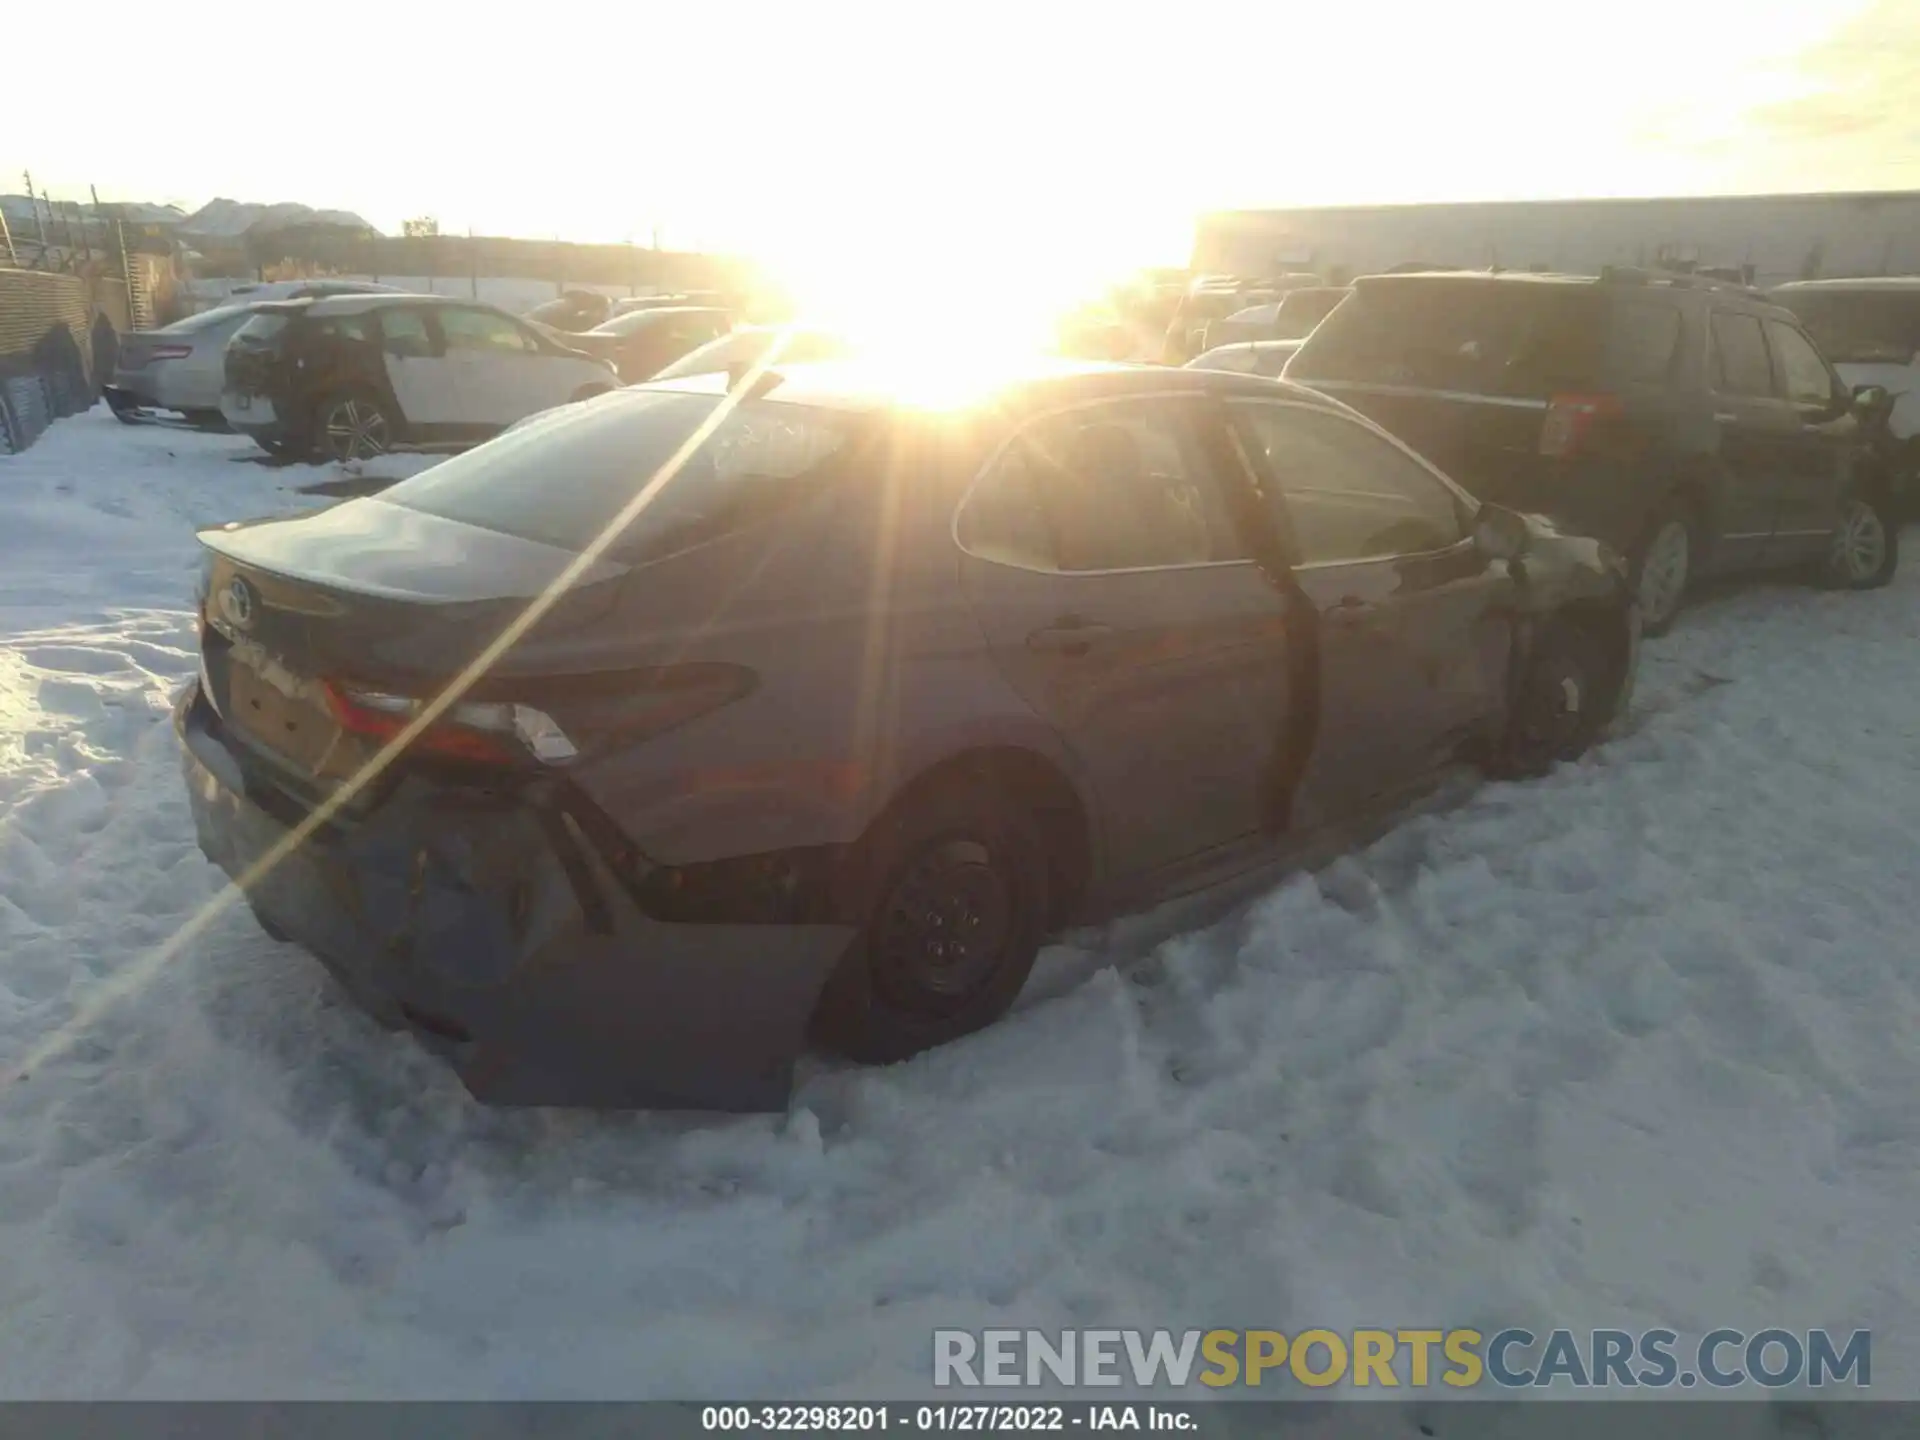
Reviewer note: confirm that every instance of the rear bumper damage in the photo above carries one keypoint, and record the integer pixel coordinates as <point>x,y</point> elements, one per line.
<point>490,925</point>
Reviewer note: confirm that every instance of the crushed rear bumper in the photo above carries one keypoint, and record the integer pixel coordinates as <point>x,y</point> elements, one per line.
<point>489,926</point>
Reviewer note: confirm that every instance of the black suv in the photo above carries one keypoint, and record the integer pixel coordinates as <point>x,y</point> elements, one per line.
<point>1693,426</point>
<point>354,375</point>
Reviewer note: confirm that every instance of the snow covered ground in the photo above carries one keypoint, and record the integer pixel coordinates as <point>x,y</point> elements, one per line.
<point>1631,1046</point>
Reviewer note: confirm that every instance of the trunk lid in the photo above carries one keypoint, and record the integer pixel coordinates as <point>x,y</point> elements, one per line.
<point>372,594</point>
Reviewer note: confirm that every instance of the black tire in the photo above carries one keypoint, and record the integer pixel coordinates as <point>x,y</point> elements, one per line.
<point>1672,538</point>
<point>958,859</point>
<point>274,932</point>
<point>1865,550</point>
<point>353,425</point>
<point>1561,704</point>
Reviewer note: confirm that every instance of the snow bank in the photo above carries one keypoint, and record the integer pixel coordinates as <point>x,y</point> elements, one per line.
<point>1630,1046</point>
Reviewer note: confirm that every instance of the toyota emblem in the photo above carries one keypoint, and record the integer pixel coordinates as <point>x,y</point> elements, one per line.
<point>237,604</point>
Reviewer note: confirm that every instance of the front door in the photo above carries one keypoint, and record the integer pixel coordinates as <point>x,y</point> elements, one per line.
<point>1756,427</point>
<point>1818,457</point>
<point>498,370</point>
<point>1120,601</point>
<point>1415,624</point>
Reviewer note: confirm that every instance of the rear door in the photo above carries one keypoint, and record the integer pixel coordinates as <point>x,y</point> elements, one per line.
<point>1756,428</point>
<point>1415,623</point>
<point>1817,461</point>
<point>417,369</point>
<point>1120,601</point>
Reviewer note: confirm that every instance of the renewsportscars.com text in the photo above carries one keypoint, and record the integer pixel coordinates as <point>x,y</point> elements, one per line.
<point>1457,1359</point>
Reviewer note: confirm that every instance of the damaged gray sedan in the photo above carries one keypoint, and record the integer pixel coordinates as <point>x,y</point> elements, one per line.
<point>870,698</point>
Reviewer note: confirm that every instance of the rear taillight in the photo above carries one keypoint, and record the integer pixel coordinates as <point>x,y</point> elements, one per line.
<point>169,352</point>
<point>487,732</point>
<point>1571,420</point>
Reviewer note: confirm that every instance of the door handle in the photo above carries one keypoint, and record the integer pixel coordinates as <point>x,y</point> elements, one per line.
<point>1069,635</point>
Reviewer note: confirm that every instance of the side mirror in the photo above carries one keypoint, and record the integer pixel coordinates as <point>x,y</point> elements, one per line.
<point>1869,397</point>
<point>1500,534</point>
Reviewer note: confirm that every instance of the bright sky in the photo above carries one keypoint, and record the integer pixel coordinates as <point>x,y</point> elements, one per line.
<point>1044,136</point>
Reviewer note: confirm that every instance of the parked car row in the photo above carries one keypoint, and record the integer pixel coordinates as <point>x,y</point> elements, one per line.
<point>808,754</point>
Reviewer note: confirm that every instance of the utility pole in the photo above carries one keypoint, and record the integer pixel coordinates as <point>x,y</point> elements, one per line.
<point>39,224</point>
<point>6,237</point>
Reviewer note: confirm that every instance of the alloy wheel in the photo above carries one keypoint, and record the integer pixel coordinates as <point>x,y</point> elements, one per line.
<point>1663,572</point>
<point>355,429</point>
<point>1859,543</point>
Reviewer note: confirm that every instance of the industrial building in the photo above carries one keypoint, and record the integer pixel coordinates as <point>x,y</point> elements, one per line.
<point>1771,238</point>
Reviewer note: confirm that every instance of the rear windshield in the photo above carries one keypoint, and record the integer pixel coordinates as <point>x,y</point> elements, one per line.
<point>565,476</point>
<point>1859,327</point>
<point>1481,336</point>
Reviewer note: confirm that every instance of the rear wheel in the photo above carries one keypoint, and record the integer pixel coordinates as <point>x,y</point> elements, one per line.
<point>1663,568</point>
<point>952,890</point>
<point>353,425</point>
<point>1865,549</point>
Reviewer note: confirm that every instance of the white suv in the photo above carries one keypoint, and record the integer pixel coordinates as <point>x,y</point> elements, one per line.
<point>1870,330</point>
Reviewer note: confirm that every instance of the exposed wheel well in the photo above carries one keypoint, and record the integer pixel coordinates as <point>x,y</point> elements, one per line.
<point>1607,627</point>
<point>1035,782</point>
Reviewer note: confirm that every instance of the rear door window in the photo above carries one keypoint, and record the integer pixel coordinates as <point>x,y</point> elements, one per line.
<point>1739,363</point>
<point>1120,486</point>
<point>1483,337</point>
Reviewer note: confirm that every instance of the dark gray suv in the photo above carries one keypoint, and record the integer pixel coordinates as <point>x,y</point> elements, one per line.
<point>1692,425</point>
<point>848,703</point>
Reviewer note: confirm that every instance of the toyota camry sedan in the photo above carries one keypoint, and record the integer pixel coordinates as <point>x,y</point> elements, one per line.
<point>825,706</point>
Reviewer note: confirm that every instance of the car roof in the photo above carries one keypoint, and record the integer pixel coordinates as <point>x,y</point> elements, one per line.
<point>1883,283</point>
<point>867,386</point>
<point>357,304</point>
<point>1411,278</point>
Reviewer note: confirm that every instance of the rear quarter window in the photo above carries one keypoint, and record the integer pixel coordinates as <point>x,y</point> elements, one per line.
<point>1644,346</point>
<point>1479,336</point>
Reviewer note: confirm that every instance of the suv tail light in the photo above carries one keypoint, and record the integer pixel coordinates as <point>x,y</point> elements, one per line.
<point>489,732</point>
<point>1571,420</point>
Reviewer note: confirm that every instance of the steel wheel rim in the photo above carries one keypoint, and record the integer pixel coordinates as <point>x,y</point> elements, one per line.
<point>1860,542</point>
<point>943,929</point>
<point>355,430</point>
<point>1663,573</point>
